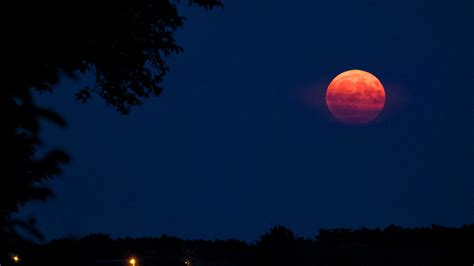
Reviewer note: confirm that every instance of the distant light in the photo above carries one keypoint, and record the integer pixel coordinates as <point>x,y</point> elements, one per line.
<point>132,261</point>
<point>16,258</point>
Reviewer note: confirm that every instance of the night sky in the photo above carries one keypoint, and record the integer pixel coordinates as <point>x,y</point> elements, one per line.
<point>241,139</point>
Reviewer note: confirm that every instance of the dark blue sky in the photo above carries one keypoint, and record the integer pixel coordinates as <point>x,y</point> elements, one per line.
<point>233,147</point>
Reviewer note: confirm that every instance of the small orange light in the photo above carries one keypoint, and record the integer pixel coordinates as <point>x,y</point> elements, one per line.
<point>132,261</point>
<point>16,258</point>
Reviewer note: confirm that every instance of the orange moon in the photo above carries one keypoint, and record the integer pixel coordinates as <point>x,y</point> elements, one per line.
<point>355,97</point>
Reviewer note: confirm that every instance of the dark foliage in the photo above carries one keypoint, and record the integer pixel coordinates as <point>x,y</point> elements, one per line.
<point>278,247</point>
<point>125,44</point>
<point>23,171</point>
<point>393,246</point>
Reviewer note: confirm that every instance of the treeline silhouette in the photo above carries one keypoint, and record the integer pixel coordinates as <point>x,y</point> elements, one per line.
<point>435,245</point>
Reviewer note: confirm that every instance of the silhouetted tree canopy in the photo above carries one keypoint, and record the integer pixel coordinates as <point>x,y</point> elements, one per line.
<point>124,44</point>
<point>23,171</point>
<point>429,246</point>
<point>278,247</point>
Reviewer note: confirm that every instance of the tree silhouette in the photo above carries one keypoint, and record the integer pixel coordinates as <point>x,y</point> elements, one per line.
<point>434,245</point>
<point>278,247</point>
<point>23,171</point>
<point>124,45</point>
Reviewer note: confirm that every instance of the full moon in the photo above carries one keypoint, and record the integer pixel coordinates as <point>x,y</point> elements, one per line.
<point>355,97</point>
